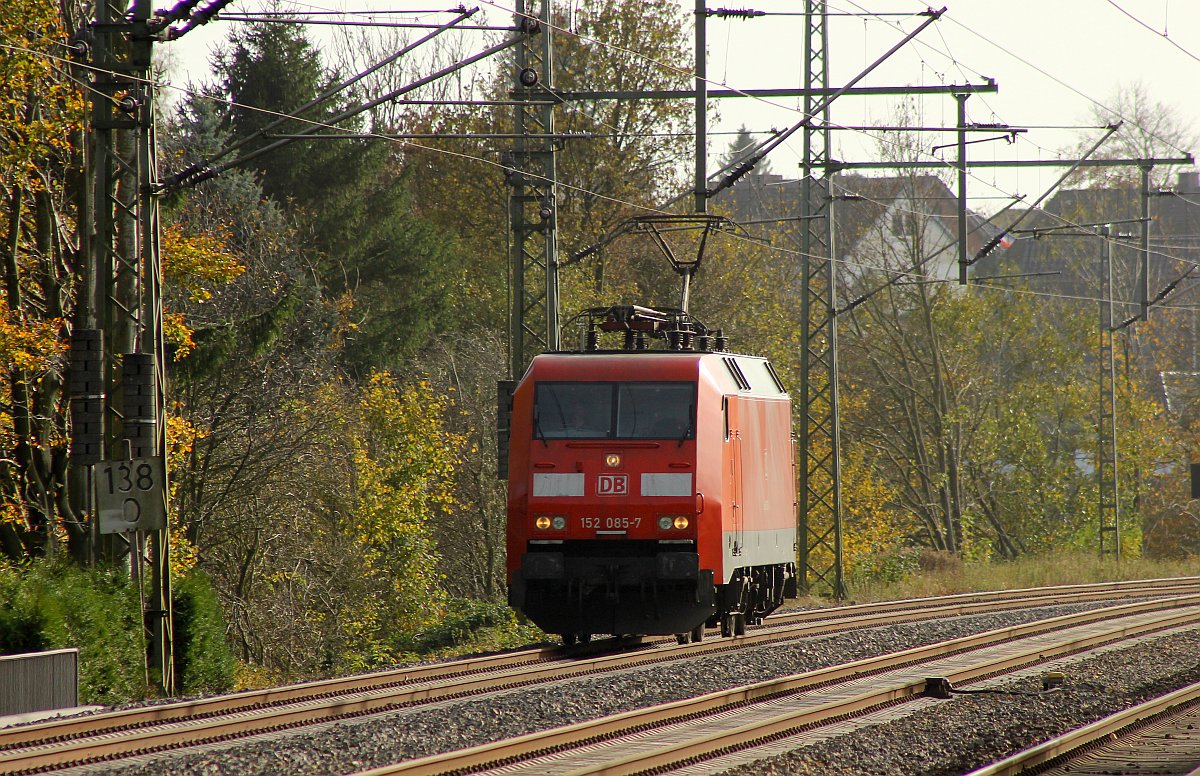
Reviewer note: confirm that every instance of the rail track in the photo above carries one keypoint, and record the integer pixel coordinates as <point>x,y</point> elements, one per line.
<point>1159,737</point>
<point>115,735</point>
<point>717,730</point>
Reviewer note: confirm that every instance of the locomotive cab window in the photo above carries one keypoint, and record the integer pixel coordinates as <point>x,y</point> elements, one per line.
<point>642,410</point>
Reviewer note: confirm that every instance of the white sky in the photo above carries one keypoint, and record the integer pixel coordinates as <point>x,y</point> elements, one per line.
<point>1051,59</point>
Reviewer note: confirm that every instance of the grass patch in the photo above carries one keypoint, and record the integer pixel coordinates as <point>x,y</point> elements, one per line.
<point>469,627</point>
<point>940,574</point>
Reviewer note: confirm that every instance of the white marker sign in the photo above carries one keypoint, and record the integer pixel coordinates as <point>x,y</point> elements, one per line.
<point>129,495</point>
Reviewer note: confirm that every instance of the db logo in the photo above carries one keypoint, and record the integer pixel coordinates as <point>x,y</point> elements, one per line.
<point>612,485</point>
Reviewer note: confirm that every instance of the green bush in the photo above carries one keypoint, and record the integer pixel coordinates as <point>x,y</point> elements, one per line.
<point>204,663</point>
<point>53,605</point>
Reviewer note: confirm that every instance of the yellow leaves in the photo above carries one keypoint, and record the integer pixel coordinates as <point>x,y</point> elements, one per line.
<point>29,346</point>
<point>183,553</point>
<point>39,106</point>
<point>346,323</point>
<point>182,436</point>
<point>196,263</point>
<point>178,333</point>
<point>12,512</point>
<point>391,463</point>
<point>407,463</point>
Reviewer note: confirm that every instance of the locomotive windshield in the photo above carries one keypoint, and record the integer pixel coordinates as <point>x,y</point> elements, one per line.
<point>659,410</point>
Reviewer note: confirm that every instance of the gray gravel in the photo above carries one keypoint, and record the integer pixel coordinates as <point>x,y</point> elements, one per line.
<point>969,731</point>
<point>382,739</point>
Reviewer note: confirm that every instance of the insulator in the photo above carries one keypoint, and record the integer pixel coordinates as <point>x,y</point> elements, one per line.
<point>593,340</point>
<point>722,341</point>
<point>738,13</point>
<point>639,341</point>
<point>629,339</point>
<point>675,339</point>
<point>704,343</point>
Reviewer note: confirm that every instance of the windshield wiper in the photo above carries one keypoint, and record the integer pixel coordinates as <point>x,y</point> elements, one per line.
<point>537,429</point>
<point>687,429</point>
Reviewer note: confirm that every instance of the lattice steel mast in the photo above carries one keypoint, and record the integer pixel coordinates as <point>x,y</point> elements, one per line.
<point>820,551</point>
<point>532,208</point>
<point>117,379</point>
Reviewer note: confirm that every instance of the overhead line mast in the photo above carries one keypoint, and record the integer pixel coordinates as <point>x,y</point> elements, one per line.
<point>532,176</point>
<point>117,384</point>
<point>820,552</point>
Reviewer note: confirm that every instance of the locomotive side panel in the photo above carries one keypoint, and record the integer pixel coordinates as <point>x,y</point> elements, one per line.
<point>521,430</point>
<point>760,529</point>
<point>712,500</point>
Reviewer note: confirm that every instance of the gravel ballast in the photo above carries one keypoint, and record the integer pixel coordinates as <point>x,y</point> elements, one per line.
<point>967,732</point>
<point>381,739</point>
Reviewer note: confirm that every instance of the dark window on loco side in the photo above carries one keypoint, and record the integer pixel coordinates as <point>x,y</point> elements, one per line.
<point>643,410</point>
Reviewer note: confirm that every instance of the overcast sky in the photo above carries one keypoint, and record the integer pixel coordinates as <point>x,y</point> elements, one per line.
<point>1051,59</point>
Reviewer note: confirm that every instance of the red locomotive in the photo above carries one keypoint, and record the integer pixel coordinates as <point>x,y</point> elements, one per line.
<point>650,491</point>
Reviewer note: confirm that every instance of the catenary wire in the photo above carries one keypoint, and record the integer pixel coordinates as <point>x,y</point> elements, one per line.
<point>487,161</point>
<point>1162,35</point>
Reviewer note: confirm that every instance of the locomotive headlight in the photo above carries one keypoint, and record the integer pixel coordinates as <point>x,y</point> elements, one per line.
<point>612,460</point>
<point>542,522</point>
<point>681,522</point>
<point>559,522</point>
<point>664,523</point>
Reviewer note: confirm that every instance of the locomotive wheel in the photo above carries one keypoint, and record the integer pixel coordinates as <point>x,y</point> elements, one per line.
<point>698,634</point>
<point>584,638</point>
<point>568,639</point>
<point>681,638</point>
<point>727,626</point>
<point>739,624</point>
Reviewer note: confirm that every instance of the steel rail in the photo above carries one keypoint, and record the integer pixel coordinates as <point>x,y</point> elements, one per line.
<point>1069,744</point>
<point>883,614</point>
<point>530,746</point>
<point>370,693</point>
<point>250,700</point>
<point>1098,588</point>
<point>841,618</point>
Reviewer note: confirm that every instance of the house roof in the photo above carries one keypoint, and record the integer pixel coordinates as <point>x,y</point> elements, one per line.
<point>1174,238</point>
<point>864,202</point>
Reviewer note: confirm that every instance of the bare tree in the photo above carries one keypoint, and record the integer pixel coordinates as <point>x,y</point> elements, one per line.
<point>1151,129</point>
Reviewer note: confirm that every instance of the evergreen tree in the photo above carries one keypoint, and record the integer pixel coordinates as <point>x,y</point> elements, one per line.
<point>739,148</point>
<point>389,267</point>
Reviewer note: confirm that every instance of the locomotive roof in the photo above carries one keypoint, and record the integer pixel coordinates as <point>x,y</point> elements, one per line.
<point>734,372</point>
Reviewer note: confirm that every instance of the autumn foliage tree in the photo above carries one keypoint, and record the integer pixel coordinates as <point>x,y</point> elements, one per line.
<point>40,119</point>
